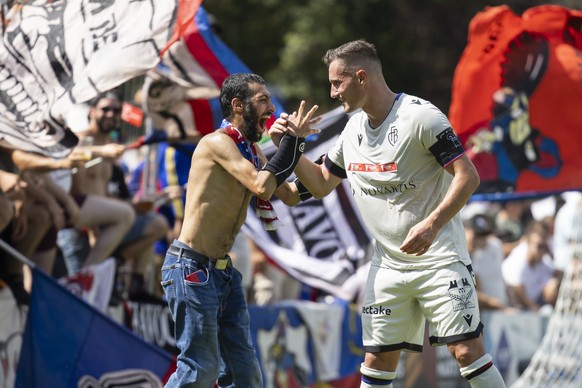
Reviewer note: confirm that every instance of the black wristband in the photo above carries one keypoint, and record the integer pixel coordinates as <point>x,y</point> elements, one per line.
<point>304,193</point>
<point>286,158</point>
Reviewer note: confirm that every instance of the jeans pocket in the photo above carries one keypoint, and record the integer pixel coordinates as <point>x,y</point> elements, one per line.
<point>197,276</point>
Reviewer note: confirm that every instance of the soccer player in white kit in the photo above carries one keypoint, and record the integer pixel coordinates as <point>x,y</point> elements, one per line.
<point>410,178</point>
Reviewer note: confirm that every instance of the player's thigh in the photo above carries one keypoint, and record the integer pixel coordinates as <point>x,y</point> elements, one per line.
<point>448,298</point>
<point>391,317</point>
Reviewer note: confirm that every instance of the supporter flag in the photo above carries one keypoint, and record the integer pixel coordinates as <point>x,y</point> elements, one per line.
<point>320,242</point>
<point>181,93</point>
<point>516,99</point>
<point>68,343</point>
<point>55,54</point>
<point>304,344</point>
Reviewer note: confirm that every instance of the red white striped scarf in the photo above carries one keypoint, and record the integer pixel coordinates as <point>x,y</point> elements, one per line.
<point>263,207</point>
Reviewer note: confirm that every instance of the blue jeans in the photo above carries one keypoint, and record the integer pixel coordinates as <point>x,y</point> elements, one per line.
<point>211,324</point>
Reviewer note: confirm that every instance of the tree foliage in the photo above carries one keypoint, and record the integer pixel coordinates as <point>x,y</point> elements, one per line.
<point>419,42</point>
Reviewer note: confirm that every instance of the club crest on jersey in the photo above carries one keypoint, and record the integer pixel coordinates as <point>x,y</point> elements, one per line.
<point>392,135</point>
<point>450,136</point>
<point>461,295</point>
<point>370,167</point>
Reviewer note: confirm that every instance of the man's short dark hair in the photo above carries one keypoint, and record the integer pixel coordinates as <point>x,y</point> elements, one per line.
<point>353,55</point>
<point>237,86</point>
<point>101,96</point>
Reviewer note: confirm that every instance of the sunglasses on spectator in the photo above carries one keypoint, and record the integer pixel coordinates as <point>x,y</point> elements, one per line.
<point>106,109</point>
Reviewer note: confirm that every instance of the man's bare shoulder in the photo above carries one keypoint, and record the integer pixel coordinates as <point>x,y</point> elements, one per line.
<point>217,142</point>
<point>214,139</point>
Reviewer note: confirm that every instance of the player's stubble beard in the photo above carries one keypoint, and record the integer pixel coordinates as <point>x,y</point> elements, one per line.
<point>250,126</point>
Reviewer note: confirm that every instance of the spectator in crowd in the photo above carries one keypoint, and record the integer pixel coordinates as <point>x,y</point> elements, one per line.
<point>529,271</point>
<point>174,159</point>
<point>63,209</point>
<point>170,108</point>
<point>545,210</point>
<point>31,222</point>
<point>146,226</point>
<point>81,211</point>
<point>487,257</point>
<point>213,334</point>
<point>510,221</point>
<point>138,253</point>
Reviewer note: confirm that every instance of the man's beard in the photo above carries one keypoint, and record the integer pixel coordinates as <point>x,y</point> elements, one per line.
<point>106,127</point>
<point>250,126</point>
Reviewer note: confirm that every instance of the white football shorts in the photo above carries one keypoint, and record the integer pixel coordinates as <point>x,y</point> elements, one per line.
<point>398,303</point>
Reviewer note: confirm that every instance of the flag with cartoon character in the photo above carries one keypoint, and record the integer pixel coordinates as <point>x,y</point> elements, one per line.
<point>516,96</point>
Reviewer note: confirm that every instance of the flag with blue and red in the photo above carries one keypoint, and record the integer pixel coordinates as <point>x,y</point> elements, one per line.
<point>200,62</point>
<point>68,343</point>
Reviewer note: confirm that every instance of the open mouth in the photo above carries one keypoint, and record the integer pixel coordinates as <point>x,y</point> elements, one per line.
<point>263,122</point>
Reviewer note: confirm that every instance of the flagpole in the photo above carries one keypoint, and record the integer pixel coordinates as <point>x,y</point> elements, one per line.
<point>17,255</point>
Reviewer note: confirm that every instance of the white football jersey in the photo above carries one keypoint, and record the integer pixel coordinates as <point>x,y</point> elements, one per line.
<point>397,178</point>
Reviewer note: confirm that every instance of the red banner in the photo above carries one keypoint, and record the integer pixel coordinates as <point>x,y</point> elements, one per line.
<point>517,99</point>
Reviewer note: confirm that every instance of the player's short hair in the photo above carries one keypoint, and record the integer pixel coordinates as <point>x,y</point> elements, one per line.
<point>237,85</point>
<point>354,55</point>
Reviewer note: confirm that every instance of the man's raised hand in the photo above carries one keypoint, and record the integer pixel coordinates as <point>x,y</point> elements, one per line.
<point>299,123</point>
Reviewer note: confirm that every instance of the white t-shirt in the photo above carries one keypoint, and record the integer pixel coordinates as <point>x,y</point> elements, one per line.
<point>397,179</point>
<point>517,271</point>
<point>487,262</point>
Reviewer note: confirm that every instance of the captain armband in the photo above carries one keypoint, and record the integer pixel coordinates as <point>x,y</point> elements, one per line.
<point>304,193</point>
<point>286,158</point>
<point>447,148</point>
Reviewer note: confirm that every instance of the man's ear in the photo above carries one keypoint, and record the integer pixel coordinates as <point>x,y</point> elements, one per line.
<point>361,76</point>
<point>237,105</point>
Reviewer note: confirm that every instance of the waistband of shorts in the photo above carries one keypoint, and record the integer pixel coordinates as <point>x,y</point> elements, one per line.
<point>188,253</point>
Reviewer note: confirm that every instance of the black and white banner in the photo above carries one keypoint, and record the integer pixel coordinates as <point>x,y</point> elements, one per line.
<point>54,54</point>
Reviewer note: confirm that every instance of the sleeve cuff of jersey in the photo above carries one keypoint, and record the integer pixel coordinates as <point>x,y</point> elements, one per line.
<point>335,169</point>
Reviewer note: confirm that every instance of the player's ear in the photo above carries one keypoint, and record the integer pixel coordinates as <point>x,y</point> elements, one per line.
<point>361,76</point>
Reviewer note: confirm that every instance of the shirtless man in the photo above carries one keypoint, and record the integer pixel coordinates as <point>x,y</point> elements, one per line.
<point>203,290</point>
